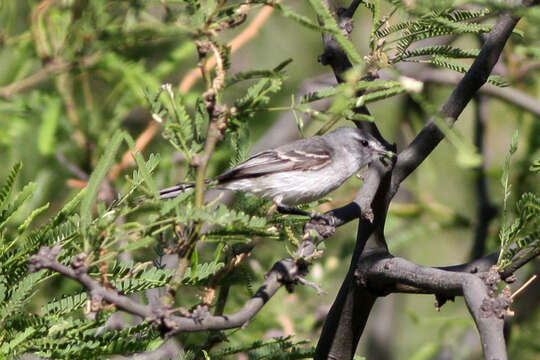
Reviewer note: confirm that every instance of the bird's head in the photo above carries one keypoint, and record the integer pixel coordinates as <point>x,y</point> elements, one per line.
<point>362,143</point>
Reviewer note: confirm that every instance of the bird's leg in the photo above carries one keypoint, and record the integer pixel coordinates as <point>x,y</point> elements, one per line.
<point>286,209</point>
<point>323,224</point>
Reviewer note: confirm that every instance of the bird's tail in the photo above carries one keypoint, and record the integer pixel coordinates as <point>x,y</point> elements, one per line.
<point>174,191</point>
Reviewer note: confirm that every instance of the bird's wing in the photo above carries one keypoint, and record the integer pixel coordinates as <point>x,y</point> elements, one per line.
<point>314,156</point>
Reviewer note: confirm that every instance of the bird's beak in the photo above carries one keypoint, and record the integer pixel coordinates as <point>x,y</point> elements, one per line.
<point>388,154</point>
<point>385,153</point>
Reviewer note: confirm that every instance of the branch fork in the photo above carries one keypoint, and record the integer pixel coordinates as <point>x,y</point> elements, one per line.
<point>373,271</point>
<point>286,272</point>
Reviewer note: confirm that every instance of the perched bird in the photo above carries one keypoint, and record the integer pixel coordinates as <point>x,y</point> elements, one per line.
<point>299,172</point>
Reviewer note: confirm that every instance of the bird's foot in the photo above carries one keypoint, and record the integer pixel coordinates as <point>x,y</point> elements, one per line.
<point>323,224</point>
<point>325,218</point>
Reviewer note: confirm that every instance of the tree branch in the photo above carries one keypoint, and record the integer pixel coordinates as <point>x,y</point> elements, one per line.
<point>385,273</point>
<point>187,82</point>
<point>349,312</point>
<point>430,136</point>
<point>485,211</point>
<point>53,67</point>
<point>286,272</point>
<point>507,94</point>
<point>520,259</point>
<point>340,334</point>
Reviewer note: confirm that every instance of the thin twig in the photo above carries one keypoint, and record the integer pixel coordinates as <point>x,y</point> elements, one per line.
<point>246,35</point>
<point>218,121</point>
<point>286,272</point>
<point>509,95</point>
<point>55,66</point>
<point>81,175</point>
<point>349,12</point>
<point>187,83</point>
<point>65,88</point>
<point>524,286</point>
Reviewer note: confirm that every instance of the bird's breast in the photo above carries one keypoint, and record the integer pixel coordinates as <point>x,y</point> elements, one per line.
<point>295,187</point>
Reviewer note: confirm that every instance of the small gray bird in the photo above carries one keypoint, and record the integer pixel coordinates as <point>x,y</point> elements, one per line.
<point>301,171</point>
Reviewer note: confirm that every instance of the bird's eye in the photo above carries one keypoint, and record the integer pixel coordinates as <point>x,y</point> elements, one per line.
<point>364,142</point>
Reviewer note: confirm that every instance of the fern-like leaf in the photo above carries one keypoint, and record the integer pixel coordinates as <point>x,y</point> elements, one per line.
<point>6,189</point>
<point>443,50</point>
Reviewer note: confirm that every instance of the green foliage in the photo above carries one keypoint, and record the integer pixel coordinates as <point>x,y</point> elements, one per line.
<point>95,180</point>
<point>448,63</point>
<point>391,40</point>
<point>82,79</point>
<point>123,223</point>
<point>49,125</point>
<point>522,232</point>
<point>6,189</point>
<point>277,348</point>
<point>421,24</point>
<point>332,27</point>
<point>442,50</point>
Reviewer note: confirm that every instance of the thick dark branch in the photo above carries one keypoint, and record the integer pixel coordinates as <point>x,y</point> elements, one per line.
<point>431,135</point>
<point>348,315</point>
<point>485,263</point>
<point>522,258</point>
<point>485,211</point>
<point>384,273</point>
<point>347,319</point>
<point>333,54</point>
<point>475,266</point>
<point>349,312</point>
<point>349,12</point>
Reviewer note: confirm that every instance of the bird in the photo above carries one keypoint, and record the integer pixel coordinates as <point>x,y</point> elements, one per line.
<point>299,172</point>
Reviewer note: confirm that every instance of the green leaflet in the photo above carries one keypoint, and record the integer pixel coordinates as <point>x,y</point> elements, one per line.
<point>443,50</point>
<point>16,203</point>
<point>277,348</point>
<point>142,166</point>
<point>49,123</point>
<point>332,27</point>
<point>96,178</point>
<point>6,189</point>
<point>521,232</point>
<point>9,347</point>
<point>20,294</point>
<point>299,18</point>
<point>31,217</point>
<point>448,63</point>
